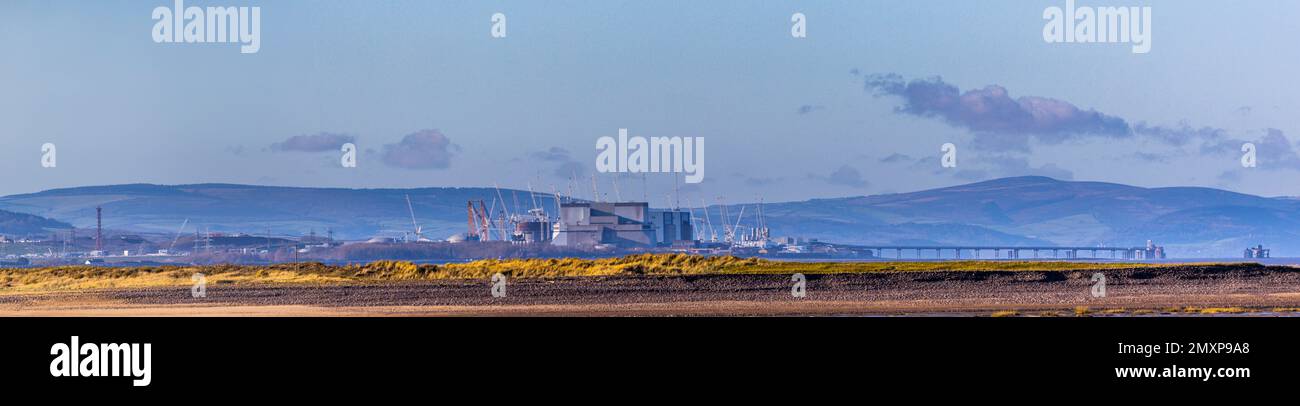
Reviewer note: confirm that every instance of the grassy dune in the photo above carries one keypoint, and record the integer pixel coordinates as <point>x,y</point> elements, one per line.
<point>64,278</point>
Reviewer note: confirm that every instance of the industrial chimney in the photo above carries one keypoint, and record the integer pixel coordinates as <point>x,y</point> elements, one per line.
<point>99,229</point>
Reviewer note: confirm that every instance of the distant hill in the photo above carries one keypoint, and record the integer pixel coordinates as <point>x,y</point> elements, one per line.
<point>350,213</point>
<point>1189,221</point>
<point>22,225</point>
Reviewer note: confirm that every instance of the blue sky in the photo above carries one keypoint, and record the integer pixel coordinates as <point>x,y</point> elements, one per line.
<point>784,118</point>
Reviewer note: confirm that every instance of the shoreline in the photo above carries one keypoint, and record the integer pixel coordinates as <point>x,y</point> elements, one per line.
<point>1167,291</point>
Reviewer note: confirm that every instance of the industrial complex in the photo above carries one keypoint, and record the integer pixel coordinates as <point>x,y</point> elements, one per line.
<point>570,228</point>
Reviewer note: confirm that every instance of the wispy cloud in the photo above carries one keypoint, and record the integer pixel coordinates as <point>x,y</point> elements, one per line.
<point>843,176</point>
<point>809,108</point>
<point>896,158</point>
<point>1181,134</point>
<point>424,149</point>
<point>320,142</point>
<point>1004,123</point>
<point>566,166</point>
<point>570,169</point>
<point>756,181</point>
<point>552,154</point>
<point>1005,165</point>
<point>1273,150</point>
<point>991,111</point>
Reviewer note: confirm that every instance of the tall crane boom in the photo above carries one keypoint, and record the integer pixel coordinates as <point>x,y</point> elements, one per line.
<point>480,226</point>
<point>178,236</point>
<point>411,209</point>
<point>471,220</point>
<point>713,235</point>
<point>485,221</point>
<point>727,233</point>
<point>532,195</point>
<point>618,195</point>
<point>555,194</point>
<point>736,229</point>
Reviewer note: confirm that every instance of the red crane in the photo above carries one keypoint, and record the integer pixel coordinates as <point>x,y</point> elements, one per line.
<point>479,226</point>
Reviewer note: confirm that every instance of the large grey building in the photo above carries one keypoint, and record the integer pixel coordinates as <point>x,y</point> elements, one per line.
<point>619,224</point>
<point>671,226</point>
<point>626,224</point>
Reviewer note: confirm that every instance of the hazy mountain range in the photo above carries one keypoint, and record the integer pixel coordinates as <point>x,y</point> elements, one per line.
<point>1189,221</point>
<point>350,213</point>
<point>22,224</point>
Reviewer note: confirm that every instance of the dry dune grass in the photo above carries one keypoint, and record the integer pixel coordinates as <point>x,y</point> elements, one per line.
<point>63,278</point>
<point>88,277</point>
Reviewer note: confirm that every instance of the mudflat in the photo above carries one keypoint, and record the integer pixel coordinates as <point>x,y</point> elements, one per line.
<point>1172,290</point>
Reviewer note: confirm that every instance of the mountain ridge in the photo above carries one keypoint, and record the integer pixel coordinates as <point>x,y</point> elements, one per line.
<point>23,224</point>
<point>1026,210</point>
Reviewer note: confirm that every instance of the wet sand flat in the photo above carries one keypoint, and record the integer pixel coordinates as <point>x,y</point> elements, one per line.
<point>1139,291</point>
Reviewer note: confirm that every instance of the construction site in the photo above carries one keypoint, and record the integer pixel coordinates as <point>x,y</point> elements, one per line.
<point>545,225</point>
<point>507,224</point>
